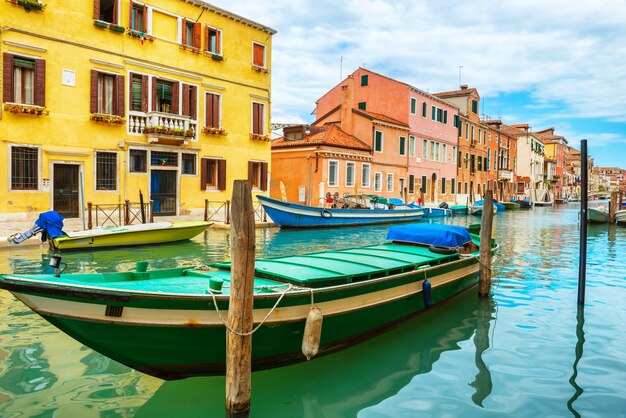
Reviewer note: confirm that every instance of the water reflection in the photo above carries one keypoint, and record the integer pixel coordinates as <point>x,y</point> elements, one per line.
<point>482,384</point>
<point>580,341</point>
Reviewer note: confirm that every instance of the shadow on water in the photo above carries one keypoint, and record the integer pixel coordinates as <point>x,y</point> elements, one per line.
<point>580,341</point>
<point>342,384</point>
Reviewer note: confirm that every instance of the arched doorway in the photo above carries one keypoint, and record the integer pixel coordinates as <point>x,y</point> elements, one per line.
<point>433,187</point>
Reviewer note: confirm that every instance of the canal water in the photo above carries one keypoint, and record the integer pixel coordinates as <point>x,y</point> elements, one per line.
<point>526,352</point>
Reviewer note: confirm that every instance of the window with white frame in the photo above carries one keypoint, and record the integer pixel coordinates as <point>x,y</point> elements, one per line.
<point>333,173</point>
<point>24,168</point>
<point>411,146</point>
<point>106,10</point>
<point>413,105</point>
<point>350,169</point>
<point>390,182</point>
<point>365,175</point>
<point>432,150</point>
<point>213,40</point>
<point>378,181</point>
<point>425,150</point>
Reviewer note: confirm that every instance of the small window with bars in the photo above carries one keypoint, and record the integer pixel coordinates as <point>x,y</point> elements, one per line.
<point>24,168</point>
<point>189,164</point>
<point>137,161</point>
<point>164,159</point>
<point>106,171</point>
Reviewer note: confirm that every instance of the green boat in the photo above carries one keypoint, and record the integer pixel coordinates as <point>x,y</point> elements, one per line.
<point>459,209</point>
<point>510,205</point>
<point>170,323</point>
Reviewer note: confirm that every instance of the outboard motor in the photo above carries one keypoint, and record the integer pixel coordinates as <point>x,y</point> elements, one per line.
<point>443,205</point>
<point>50,224</point>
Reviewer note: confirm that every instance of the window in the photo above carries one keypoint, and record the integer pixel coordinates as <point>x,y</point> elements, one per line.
<point>488,164</point>
<point>480,159</point>
<point>212,110</point>
<point>166,97</point>
<point>437,154</point>
<point>484,163</point>
<point>460,158</point>
<point>452,181</point>
<point>378,181</point>
<point>164,159</point>
<point>106,170</point>
<point>364,80</point>
<point>212,174</point>
<point>333,173</point>
<point>424,109</point>
<point>191,33</point>
<point>187,33</point>
<point>107,93</point>
<point>258,118</point>
<point>24,80</point>
<point>474,106</point>
<point>411,183</point>
<point>378,141</point>
<point>423,188</point>
<point>443,185</point>
<point>466,129</point>
<point>453,155</point>
<point>432,150</point>
<point>139,92</point>
<point>213,40</point>
<point>433,111</point>
<point>365,175</point>
<point>466,160</point>
<point>465,188</point>
<point>350,169</point>
<point>362,105</point>
<point>444,153</point>
<point>390,182</point>
<point>190,99</point>
<point>413,105</point>
<point>257,175</point>
<point>258,55</point>
<point>138,18</point>
<point>445,117</point>
<point>425,150</point>
<point>439,115</point>
<point>472,135</point>
<point>411,146</point>
<point>24,168</point>
<point>106,10</point>
<point>137,159</point>
<point>402,145</point>
<point>189,164</point>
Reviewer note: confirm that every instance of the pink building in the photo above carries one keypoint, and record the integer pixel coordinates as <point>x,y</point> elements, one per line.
<point>431,146</point>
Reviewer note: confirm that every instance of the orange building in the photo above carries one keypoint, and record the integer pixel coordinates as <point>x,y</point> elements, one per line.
<point>504,149</point>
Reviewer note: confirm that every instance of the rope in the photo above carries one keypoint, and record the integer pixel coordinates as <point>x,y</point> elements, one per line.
<point>244,334</point>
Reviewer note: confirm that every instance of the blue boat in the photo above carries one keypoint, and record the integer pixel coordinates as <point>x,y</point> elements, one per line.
<point>477,207</point>
<point>292,215</point>
<point>430,212</point>
<point>525,203</point>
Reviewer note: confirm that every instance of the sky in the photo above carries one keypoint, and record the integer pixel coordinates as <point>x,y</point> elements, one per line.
<point>548,63</point>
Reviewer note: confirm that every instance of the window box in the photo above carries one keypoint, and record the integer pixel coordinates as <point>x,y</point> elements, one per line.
<point>100,23</point>
<point>260,69</point>
<point>27,109</point>
<point>262,138</point>
<point>117,28</point>
<point>164,130</point>
<point>190,48</point>
<point>136,34</point>
<point>30,5</point>
<point>107,119</point>
<point>214,131</point>
<point>217,57</point>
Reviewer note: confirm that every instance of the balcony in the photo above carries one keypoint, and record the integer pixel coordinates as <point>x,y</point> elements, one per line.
<point>163,128</point>
<point>505,175</point>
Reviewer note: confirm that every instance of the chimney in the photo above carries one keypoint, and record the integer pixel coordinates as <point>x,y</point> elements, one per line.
<point>346,105</point>
<point>463,86</point>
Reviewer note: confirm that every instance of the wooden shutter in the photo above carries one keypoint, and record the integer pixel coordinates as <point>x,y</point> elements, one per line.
<point>130,16</point>
<point>216,111</point>
<point>264,176</point>
<point>144,93</point>
<point>258,55</point>
<point>183,30</point>
<point>40,82</point>
<point>7,78</point>
<point>93,95</point>
<point>175,95</point>
<point>119,91</point>
<point>208,110</point>
<point>185,111</point>
<point>154,94</point>
<point>207,44</point>
<point>197,35</point>
<point>145,19</point>
<point>250,173</point>
<point>115,10</point>
<point>221,174</point>
<point>193,102</point>
<point>96,9</point>
<point>212,118</point>
<point>203,164</point>
<point>257,118</point>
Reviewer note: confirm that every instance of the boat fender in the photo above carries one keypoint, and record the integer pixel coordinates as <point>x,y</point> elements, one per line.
<point>443,205</point>
<point>442,249</point>
<point>312,333</point>
<point>427,293</point>
<point>326,214</point>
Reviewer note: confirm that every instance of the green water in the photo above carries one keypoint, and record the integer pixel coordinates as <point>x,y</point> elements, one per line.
<point>526,352</point>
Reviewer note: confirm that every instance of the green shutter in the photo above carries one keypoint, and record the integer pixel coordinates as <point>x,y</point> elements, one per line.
<point>364,80</point>
<point>413,106</point>
<point>362,105</point>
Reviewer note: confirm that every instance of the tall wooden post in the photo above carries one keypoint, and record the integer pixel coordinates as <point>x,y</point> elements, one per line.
<point>613,207</point>
<point>422,196</point>
<point>206,210</point>
<point>126,212</point>
<point>238,347</point>
<point>151,211</point>
<point>90,218</point>
<point>143,209</point>
<point>486,227</point>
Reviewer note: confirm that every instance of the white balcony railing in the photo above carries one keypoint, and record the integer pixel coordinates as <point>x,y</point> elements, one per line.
<point>139,121</point>
<point>505,175</point>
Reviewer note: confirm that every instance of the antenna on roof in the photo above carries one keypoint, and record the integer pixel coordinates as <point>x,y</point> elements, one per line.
<point>341,68</point>
<point>460,66</point>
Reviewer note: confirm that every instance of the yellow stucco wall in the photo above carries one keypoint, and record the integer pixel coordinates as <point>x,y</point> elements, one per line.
<point>65,36</point>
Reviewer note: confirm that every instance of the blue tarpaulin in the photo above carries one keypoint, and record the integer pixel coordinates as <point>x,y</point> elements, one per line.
<point>52,225</point>
<point>430,234</point>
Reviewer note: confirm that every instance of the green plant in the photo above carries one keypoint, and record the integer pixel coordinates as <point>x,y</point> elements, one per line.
<point>117,28</point>
<point>30,4</point>
<point>100,23</point>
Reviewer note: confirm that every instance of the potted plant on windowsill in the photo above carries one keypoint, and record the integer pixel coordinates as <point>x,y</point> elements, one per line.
<point>164,130</point>
<point>25,108</point>
<point>107,119</point>
<point>260,69</point>
<point>30,5</point>
<point>100,23</point>
<point>209,130</point>
<point>117,28</point>
<point>259,137</point>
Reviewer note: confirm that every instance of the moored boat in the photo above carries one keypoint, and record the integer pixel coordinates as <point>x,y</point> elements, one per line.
<point>477,207</point>
<point>292,215</point>
<point>525,203</point>
<point>598,214</point>
<point>170,323</point>
<point>620,217</point>
<point>459,209</point>
<point>510,205</point>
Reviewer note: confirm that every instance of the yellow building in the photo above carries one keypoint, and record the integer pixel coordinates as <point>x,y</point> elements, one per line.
<point>103,99</point>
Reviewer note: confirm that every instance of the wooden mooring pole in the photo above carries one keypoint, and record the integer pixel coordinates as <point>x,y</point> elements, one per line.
<point>486,227</point>
<point>240,321</point>
<point>582,265</point>
<point>613,207</point>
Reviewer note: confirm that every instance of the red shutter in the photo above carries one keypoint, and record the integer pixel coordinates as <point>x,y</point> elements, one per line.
<point>206,38</point>
<point>145,19</point>
<point>193,102</point>
<point>185,111</point>
<point>221,174</point>
<point>93,95</point>
<point>197,35</point>
<point>250,173</point>
<point>255,118</point>
<point>115,9</point>
<point>203,164</point>
<point>175,96</point>
<point>208,110</point>
<point>218,42</point>
<point>40,82</point>
<point>144,93</point>
<point>119,101</point>
<point>264,176</point>
<point>258,55</point>
<point>183,30</point>
<point>130,16</point>
<point>96,9</point>
<point>7,78</point>
<point>216,111</point>
<point>154,95</point>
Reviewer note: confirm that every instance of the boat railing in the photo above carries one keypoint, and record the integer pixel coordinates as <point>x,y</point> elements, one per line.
<point>118,214</point>
<point>220,211</point>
